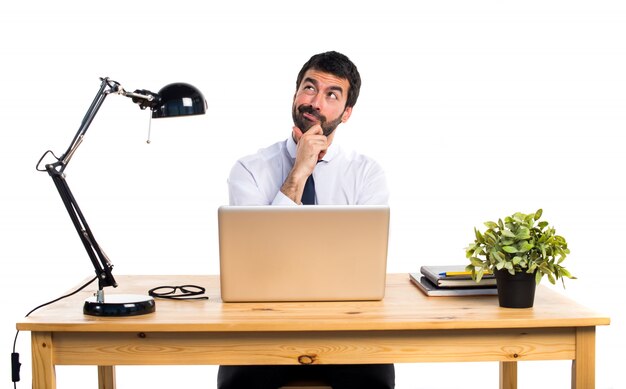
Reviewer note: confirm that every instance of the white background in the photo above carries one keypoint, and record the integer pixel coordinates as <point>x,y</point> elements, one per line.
<point>476,109</point>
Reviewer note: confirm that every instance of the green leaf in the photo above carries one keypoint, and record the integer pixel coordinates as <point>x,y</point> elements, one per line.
<point>538,277</point>
<point>522,233</point>
<point>542,247</point>
<point>508,234</point>
<point>529,220</point>
<point>476,262</point>
<point>491,225</point>
<point>538,214</point>
<point>479,236</point>
<point>498,256</point>
<point>490,237</point>
<point>525,247</point>
<point>510,249</point>
<point>478,251</point>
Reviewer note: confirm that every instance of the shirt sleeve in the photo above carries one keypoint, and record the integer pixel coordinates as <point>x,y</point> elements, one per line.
<point>282,199</point>
<point>374,191</point>
<point>243,189</point>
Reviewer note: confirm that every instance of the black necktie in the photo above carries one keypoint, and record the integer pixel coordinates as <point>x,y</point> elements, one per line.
<point>308,196</point>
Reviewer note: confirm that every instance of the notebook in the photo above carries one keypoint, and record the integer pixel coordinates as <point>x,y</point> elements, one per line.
<point>303,253</point>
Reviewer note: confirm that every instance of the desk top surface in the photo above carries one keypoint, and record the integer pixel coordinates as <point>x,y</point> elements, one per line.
<point>403,308</point>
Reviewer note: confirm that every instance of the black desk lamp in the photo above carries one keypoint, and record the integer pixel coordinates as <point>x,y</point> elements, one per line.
<point>176,99</point>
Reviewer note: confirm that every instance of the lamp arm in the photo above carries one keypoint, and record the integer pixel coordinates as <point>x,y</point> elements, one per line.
<point>100,261</point>
<point>106,87</point>
<point>144,98</point>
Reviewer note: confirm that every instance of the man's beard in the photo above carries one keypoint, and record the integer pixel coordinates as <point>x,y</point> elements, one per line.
<point>304,124</point>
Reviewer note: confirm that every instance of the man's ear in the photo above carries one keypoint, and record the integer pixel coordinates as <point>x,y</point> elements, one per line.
<point>346,114</point>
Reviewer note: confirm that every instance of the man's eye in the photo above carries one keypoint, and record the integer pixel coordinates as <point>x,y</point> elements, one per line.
<point>333,95</point>
<point>309,88</point>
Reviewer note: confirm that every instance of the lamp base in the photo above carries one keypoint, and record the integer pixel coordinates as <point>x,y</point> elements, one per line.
<point>119,305</point>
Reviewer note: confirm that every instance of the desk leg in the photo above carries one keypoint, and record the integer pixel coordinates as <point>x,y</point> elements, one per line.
<point>106,377</point>
<point>508,375</point>
<point>44,375</point>
<point>584,366</point>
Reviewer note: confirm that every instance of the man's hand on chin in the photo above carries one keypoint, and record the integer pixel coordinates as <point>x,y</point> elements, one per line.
<point>311,146</point>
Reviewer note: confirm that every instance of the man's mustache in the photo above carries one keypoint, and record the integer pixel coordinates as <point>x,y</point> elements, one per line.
<point>327,127</point>
<point>312,111</point>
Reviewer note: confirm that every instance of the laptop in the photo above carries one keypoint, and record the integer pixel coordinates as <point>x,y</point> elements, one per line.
<point>303,253</point>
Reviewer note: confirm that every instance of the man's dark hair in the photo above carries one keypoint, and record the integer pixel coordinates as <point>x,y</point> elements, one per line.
<point>338,65</point>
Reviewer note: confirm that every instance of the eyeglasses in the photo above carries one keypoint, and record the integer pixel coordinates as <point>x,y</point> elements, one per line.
<point>187,292</point>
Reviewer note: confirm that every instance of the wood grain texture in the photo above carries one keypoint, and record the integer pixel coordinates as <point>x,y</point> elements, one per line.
<point>584,366</point>
<point>323,347</point>
<point>508,375</point>
<point>406,326</point>
<point>44,374</point>
<point>106,377</point>
<point>404,307</point>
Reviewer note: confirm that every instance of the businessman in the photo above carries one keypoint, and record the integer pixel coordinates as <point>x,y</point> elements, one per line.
<point>306,169</point>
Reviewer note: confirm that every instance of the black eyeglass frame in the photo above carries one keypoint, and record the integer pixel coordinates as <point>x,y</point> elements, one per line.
<point>188,292</point>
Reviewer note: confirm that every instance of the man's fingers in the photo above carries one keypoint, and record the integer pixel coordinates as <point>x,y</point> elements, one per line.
<point>315,130</point>
<point>312,145</point>
<point>297,133</point>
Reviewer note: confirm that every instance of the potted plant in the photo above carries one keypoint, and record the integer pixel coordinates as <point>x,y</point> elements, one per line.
<point>520,251</point>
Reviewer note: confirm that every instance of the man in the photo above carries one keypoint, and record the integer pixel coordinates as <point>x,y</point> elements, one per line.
<point>308,168</point>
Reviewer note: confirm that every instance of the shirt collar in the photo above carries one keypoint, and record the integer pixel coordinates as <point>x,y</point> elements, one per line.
<point>330,153</point>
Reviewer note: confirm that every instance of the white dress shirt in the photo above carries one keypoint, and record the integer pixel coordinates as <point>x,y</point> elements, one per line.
<point>341,177</point>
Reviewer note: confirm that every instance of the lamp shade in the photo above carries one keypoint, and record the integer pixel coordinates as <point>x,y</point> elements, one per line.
<point>179,99</point>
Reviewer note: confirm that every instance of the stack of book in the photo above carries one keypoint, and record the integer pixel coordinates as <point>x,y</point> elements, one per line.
<point>452,281</point>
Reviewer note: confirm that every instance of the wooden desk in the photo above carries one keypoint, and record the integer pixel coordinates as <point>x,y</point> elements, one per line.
<point>405,327</point>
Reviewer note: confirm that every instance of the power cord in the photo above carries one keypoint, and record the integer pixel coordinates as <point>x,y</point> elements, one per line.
<point>15,357</point>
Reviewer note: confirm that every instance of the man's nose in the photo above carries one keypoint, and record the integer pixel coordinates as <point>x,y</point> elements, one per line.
<point>317,101</point>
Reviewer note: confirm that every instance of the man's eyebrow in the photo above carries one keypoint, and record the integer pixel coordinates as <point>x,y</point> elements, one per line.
<point>314,82</point>
<point>311,80</point>
<point>336,88</point>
